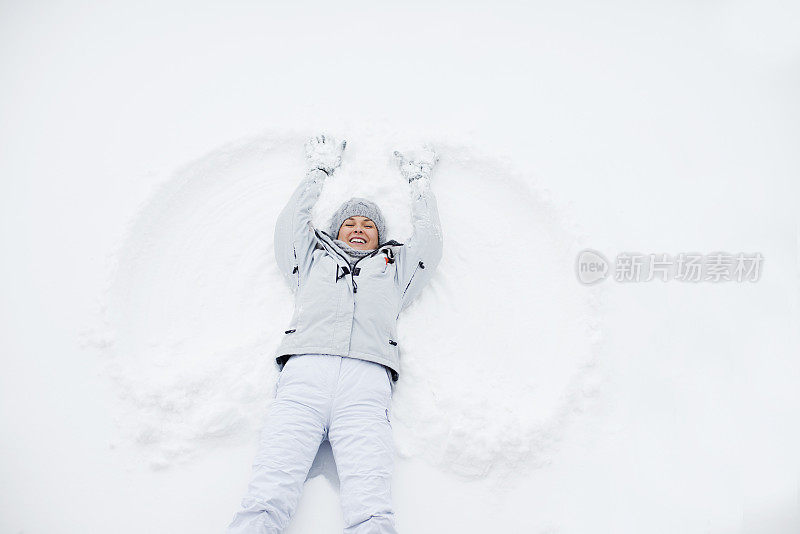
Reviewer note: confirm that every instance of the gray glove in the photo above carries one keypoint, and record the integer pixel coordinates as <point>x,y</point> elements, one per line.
<point>324,153</point>
<point>414,166</point>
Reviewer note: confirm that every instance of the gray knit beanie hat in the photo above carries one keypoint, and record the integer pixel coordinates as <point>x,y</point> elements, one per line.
<point>362,207</point>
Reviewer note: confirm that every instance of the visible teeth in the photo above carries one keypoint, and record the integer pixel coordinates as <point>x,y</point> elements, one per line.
<point>357,240</point>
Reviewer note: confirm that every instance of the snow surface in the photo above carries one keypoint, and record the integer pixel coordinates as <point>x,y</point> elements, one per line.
<point>146,152</point>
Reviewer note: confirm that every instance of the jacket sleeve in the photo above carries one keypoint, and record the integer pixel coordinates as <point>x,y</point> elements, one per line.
<point>418,259</point>
<point>294,235</point>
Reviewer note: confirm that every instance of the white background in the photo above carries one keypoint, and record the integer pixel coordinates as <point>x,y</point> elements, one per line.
<point>661,128</point>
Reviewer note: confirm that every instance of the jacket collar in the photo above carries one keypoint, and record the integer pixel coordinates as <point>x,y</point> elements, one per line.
<point>327,241</point>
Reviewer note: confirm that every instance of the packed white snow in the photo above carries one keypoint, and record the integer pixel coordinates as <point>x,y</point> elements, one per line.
<point>491,368</point>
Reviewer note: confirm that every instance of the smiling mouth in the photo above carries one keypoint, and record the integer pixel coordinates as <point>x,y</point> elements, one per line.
<point>359,240</point>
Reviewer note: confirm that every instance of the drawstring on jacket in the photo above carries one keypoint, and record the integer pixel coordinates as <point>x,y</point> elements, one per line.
<point>345,272</point>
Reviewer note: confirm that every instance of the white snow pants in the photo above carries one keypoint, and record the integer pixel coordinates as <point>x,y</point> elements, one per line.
<point>345,400</point>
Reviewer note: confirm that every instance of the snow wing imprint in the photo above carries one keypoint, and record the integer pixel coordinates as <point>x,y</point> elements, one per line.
<point>499,351</point>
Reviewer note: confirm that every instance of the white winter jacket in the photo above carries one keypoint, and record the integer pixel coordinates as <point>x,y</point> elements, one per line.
<point>348,311</point>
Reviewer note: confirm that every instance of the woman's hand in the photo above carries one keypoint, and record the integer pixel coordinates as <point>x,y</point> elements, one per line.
<point>324,153</point>
<point>417,165</point>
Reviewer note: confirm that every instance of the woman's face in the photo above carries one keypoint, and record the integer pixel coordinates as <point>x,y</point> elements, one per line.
<point>359,232</point>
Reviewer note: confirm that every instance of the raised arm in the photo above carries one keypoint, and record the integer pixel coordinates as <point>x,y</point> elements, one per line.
<point>294,233</point>
<point>420,256</point>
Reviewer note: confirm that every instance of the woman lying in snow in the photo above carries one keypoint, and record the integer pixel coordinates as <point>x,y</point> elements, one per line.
<point>339,356</point>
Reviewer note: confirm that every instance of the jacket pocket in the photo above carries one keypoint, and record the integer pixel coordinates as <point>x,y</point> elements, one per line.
<point>391,384</point>
<point>294,324</point>
<point>420,265</point>
<point>276,389</point>
<point>296,270</point>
